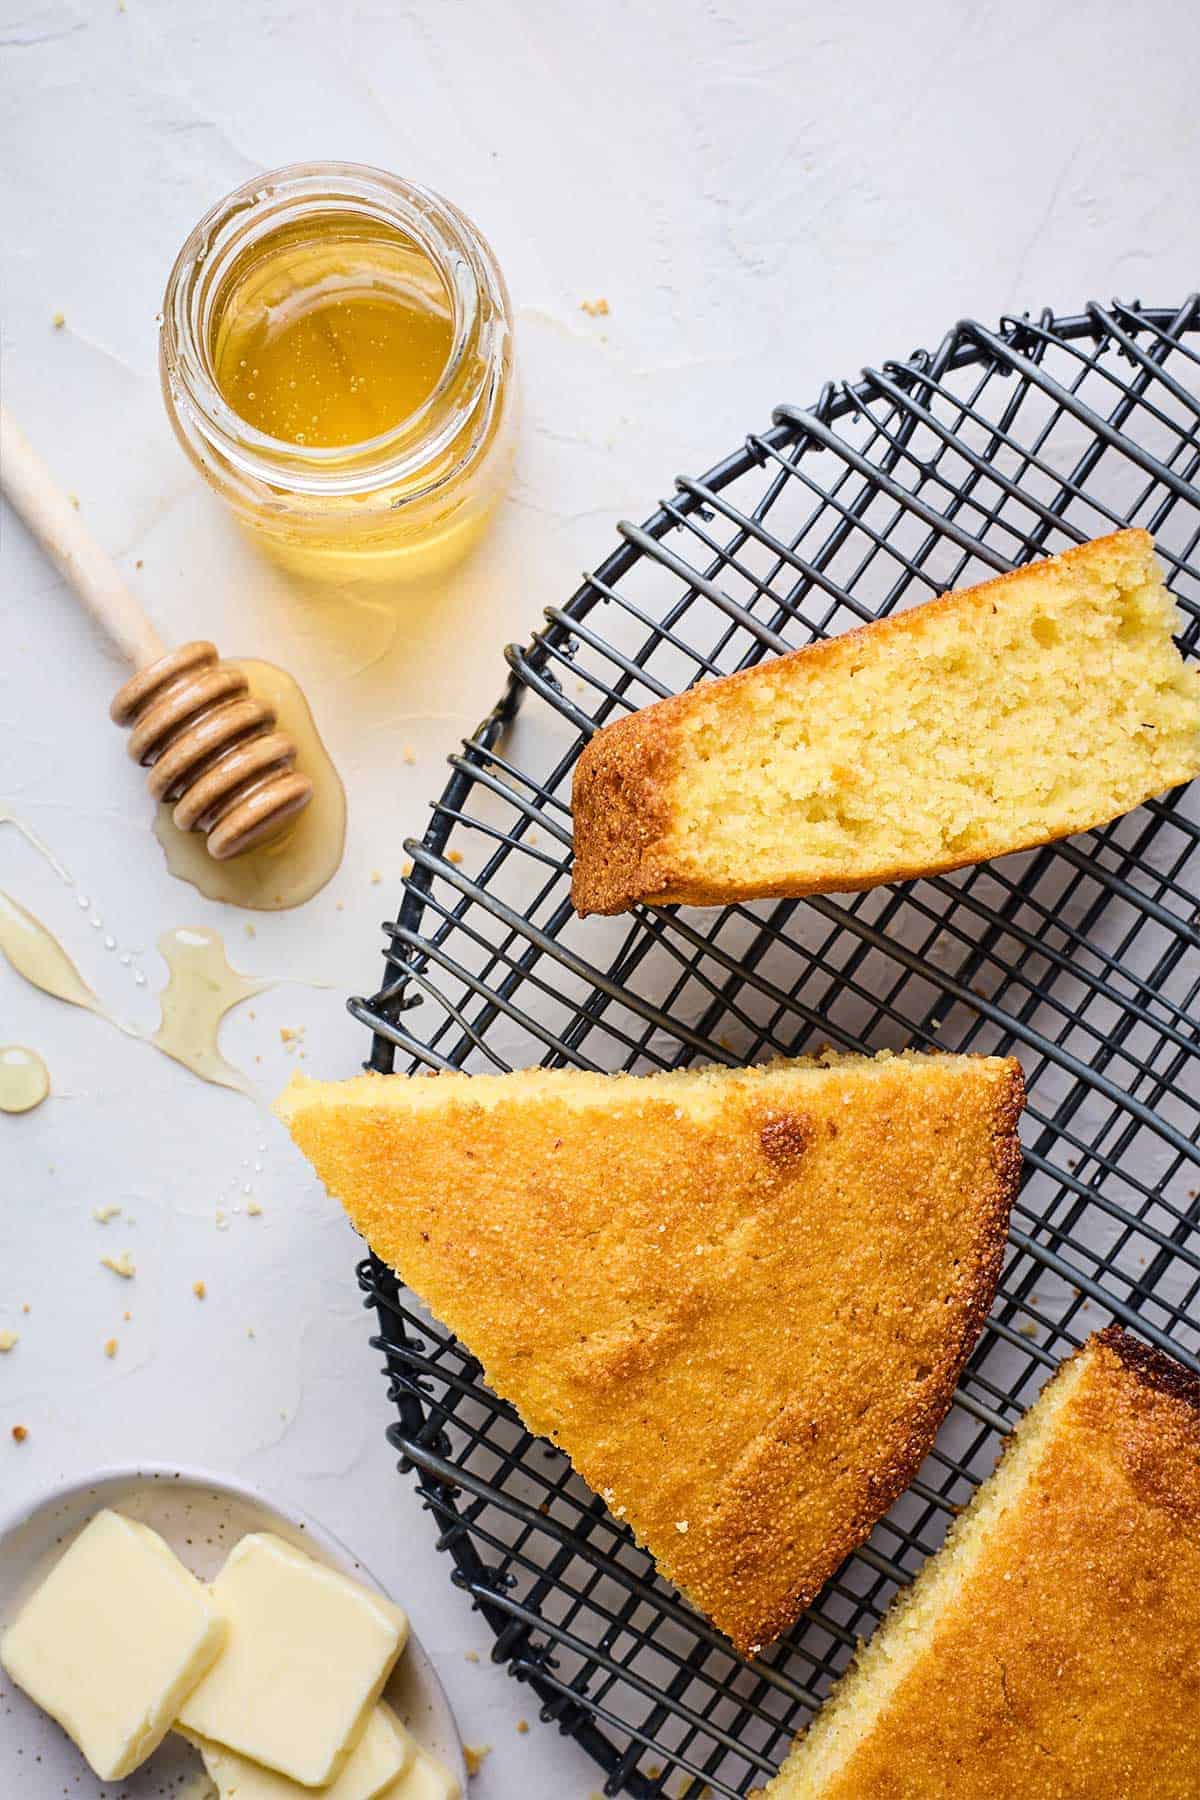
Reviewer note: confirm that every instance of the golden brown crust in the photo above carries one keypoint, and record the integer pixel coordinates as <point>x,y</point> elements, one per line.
<point>621,797</point>
<point>1066,1662</point>
<point>741,1309</point>
<point>620,812</point>
<point>1153,1367</point>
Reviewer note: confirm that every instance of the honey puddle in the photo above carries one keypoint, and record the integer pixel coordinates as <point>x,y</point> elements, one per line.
<point>36,953</point>
<point>201,988</point>
<point>24,1079</point>
<point>296,866</point>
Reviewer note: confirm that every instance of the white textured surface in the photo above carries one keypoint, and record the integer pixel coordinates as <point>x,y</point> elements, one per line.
<point>766,195</point>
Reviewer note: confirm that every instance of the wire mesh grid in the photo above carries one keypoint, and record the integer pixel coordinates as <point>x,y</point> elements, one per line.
<point>1083,958</point>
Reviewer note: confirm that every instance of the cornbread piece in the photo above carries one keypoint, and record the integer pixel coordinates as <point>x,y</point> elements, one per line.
<point>738,1299</point>
<point>112,1641</point>
<point>382,1754</point>
<point>1042,703</point>
<point>308,1654</point>
<point>1052,1647</point>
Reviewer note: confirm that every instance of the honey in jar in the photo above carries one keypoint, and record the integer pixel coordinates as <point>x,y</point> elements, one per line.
<point>336,355</point>
<point>332,332</point>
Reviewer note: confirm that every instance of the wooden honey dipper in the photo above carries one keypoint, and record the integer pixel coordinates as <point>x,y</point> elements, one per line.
<point>212,749</point>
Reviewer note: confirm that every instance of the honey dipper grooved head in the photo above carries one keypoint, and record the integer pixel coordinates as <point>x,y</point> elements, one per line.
<point>212,749</point>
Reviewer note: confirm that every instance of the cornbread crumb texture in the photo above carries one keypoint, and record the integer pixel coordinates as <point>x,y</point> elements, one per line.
<point>1042,703</point>
<point>1050,1649</point>
<point>738,1300</point>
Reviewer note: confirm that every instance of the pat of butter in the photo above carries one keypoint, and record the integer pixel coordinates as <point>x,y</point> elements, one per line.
<point>425,1779</point>
<point>307,1656</point>
<point>383,1752</point>
<point>113,1641</point>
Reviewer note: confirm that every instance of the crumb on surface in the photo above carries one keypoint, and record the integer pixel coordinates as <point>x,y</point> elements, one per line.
<point>376,877</point>
<point>250,930</point>
<point>122,1265</point>
<point>58,320</point>
<point>19,1433</point>
<point>8,1339</point>
<point>110,1347</point>
<point>102,1214</point>
<point>406,868</point>
<point>471,1656</point>
<point>476,1755</point>
<point>253,1209</point>
<point>408,754</point>
<point>454,856</point>
<point>595,309</point>
<point>199,1289</point>
<point>522,1726</point>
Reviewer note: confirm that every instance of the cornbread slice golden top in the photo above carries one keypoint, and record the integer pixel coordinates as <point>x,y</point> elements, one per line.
<point>1052,1648</point>
<point>738,1299</point>
<point>1045,702</point>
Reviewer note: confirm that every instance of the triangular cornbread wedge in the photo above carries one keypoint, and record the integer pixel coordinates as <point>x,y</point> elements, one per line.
<point>1052,1647</point>
<point>738,1299</point>
<point>1044,702</point>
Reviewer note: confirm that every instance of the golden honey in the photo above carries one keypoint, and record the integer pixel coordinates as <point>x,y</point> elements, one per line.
<point>331,332</point>
<point>336,356</point>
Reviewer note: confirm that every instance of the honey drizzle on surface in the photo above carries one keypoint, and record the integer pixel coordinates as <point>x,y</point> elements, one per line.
<point>35,952</point>
<point>36,843</point>
<point>24,1079</point>
<point>201,987</point>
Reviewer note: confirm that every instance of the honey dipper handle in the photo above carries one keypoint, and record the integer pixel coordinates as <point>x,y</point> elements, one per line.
<point>56,524</point>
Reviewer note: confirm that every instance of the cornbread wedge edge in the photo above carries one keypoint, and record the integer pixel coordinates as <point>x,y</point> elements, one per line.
<point>992,719</point>
<point>1049,1646</point>
<point>738,1299</point>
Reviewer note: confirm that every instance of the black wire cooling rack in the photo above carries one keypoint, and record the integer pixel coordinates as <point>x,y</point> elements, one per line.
<point>1083,958</point>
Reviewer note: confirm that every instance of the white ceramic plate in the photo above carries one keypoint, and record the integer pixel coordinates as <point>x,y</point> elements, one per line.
<point>201,1518</point>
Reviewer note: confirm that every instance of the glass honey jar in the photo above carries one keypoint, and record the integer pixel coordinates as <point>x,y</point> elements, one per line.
<point>336,358</point>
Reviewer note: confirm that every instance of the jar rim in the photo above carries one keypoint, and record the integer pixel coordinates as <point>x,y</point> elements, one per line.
<point>463,260</point>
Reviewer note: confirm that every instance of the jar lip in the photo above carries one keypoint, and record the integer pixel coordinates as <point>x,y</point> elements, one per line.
<point>463,259</point>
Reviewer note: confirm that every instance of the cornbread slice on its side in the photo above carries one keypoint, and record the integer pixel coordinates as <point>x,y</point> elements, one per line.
<point>1044,702</point>
<point>1052,1648</point>
<point>738,1299</point>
